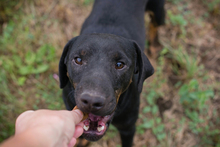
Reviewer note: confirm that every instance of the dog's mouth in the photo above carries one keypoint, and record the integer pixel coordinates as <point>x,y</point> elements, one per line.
<point>96,126</point>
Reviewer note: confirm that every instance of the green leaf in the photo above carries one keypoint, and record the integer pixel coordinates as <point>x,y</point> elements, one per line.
<point>41,52</point>
<point>21,81</point>
<point>209,93</point>
<point>8,64</point>
<point>146,109</point>
<point>183,90</point>
<point>193,95</point>
<point>41,68</point>
<point>160,128</point>
<point>150,98</point>
<point>25,70</point>
<point>17,60</point>
<point>193,84</point>
<point>161,136</point>
<point>154,109</point>
<point>147,125</point>
<point>30,58</point>
<point>164,51</point>
<point>51,53</point>
<point>158,120</point>
<point>47,51</point>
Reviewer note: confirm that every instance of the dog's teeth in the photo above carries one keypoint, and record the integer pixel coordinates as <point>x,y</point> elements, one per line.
<point>86,128</point>
<point>100,128</point>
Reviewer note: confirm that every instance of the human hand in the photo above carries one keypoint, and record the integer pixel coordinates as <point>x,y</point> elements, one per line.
<point>50,127</point>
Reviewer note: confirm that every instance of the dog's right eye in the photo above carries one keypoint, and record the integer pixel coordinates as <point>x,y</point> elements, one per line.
<point>78,61</point>
<point>119,65</point>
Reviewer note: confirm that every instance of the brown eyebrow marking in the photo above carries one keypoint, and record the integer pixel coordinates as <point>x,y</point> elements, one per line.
<point>83,52</point>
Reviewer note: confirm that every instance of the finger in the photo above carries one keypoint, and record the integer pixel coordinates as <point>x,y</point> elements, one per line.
<point>80,124</point>
<point>20,119</point>
<point>72,142</point>
<point>22,115</point>
<point>78,131</point>
<point>77,115</point>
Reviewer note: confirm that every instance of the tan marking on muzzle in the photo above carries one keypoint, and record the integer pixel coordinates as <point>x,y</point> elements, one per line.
<point>74,84</point>
<point>119,92</point>
<point>130,81</point>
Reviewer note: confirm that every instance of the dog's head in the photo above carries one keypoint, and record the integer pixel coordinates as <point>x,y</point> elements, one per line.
<point>100,67</point>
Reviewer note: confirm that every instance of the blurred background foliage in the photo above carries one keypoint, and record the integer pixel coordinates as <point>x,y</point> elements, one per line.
<point>180,103</point>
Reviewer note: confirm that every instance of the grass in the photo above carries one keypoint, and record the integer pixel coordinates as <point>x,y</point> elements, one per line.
<point>194,99</point>
<point>31,44</point>
<point>153,121</point>
<point>27,63</point>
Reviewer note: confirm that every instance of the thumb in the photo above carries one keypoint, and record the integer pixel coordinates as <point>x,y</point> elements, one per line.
<point>77,116</point>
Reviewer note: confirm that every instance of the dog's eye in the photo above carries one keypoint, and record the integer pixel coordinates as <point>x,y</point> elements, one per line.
<point>119,65</point>
<point>78,60</point>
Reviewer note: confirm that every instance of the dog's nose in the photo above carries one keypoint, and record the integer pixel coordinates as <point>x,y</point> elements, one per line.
<point>92,103</point>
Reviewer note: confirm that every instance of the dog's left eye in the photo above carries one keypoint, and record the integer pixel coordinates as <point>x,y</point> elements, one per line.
<point>78,60</point>
<point>119,65</point>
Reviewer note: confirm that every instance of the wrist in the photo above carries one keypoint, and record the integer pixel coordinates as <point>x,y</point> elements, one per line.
<point>25,139</point>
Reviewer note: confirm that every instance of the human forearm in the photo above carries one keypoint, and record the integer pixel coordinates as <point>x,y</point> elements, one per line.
<point>29,138</point>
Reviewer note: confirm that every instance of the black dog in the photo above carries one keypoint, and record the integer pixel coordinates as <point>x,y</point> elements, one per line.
<point>102,71</point>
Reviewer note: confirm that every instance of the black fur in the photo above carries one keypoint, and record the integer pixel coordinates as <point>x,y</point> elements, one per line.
<point>113,32</point>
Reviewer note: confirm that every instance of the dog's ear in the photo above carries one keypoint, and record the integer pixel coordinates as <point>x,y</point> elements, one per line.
<point>143,67</point>
<point>62,65</point>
